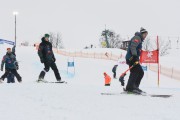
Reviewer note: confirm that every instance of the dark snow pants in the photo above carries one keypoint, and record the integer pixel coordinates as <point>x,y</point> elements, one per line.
<point>49,65</point>
<point>10,78</point>
<point>12,71</point>
<point>114,74</point>
<point>136,75</point>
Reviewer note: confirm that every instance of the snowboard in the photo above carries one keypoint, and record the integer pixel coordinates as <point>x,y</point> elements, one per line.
<point>44,81</point>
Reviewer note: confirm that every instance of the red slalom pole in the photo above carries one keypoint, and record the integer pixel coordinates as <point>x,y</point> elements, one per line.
<point>126,71</point>
<point>121,78</point>
<point>158,60</point>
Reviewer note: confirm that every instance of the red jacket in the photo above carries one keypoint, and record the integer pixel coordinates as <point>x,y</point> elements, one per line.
<point>107,79</point>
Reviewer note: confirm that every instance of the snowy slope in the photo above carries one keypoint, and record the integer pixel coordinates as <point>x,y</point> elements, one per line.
<point>80,99</point>
<point>172,59</point>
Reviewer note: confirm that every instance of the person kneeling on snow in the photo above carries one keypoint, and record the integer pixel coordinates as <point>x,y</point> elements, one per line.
<point>10,66</point>
<point>107,79</point>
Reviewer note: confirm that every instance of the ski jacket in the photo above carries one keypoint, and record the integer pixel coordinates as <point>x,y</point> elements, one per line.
<point>45,51</point>
<point>114,68</point>
<point>107,79</point>
<point>9,60</point>
<point>135,46</point>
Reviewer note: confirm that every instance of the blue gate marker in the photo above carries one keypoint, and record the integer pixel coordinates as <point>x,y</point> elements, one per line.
<point>144,68</point>
<point>70,64</point>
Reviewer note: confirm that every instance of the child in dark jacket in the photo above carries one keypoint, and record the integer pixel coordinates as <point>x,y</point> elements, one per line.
<point>114,71</point>
<point>10,77</point>
<point>10,66</point>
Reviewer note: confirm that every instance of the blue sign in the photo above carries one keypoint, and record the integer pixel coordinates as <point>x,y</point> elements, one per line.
<point>70,64</point>
<point>144,68</point>
<point>6,41</point>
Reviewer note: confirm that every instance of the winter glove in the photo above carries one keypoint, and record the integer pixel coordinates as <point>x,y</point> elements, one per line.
<point>134,60</point>
<point>42,61</point>
<point>54,59</point>
<point>135,63</point>
<point>16,65</point>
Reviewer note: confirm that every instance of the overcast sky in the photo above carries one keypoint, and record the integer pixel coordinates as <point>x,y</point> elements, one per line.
<point>81,21</point>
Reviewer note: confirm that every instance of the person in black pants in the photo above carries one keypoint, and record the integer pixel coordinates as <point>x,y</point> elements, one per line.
<point>47,57</point>
<point>10,77</point>
<point>10,65</point>
<point>132,58</point>
<point>114,71</point>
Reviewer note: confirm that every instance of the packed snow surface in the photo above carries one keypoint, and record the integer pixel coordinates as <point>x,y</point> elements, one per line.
<point>81,98</point>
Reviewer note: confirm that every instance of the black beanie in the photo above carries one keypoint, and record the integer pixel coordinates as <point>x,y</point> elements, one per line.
<point>46,35</point>
<point>142,30</point>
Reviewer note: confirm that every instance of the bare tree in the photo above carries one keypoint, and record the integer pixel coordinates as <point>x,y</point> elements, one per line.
<point>52,38</point>
<point>150,44</point>
<point>115,41</point>
<point>56,40</point>
<point>59,43</point>
<point>163,47</point>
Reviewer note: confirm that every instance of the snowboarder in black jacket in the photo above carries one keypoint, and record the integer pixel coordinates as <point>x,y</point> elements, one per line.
<point>47,57</point>
<point>114,71</point>
<point>132,58</point>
